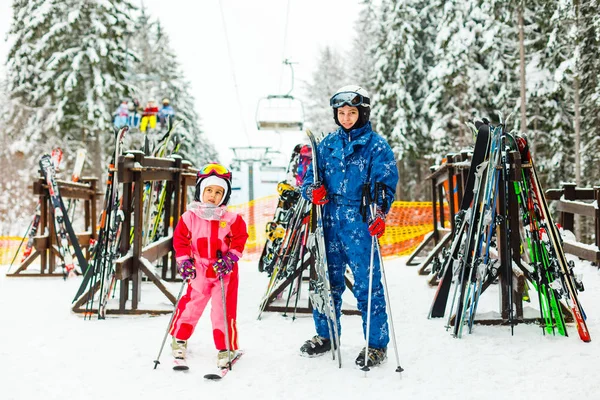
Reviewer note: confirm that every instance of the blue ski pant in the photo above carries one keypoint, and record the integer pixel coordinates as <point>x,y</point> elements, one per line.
<point>348,243</point>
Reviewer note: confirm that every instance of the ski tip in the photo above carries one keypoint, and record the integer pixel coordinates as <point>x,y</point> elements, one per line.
<point>213,377</point>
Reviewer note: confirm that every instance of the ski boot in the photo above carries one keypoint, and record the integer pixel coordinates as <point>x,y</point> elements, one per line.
<point>223,358</point>
<point>317,346</point>
<point>179,348</point>
<point>375,356</point>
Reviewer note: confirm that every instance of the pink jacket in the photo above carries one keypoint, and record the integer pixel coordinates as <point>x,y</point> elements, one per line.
<point>199,236</point>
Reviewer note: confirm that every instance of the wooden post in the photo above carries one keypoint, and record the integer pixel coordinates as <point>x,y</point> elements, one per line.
<point>436,233</point>
<point>567,219</point>
<point>597,218</point>
<point>450,175</point>
<point>45,199</point>
<point>138,222</point>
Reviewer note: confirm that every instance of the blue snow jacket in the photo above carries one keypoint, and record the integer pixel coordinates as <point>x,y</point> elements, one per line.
<point>348,160</point>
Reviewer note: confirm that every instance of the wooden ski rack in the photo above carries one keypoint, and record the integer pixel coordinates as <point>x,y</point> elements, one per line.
<point>134,170</point>
<point>45,244</point>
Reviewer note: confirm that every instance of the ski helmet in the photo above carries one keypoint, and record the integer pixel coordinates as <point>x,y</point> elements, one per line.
<point>353,96</point>
<point>213,174</point>
<point>165,101</point>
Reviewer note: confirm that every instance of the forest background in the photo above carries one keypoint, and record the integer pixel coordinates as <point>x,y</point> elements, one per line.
<point>430,66</point>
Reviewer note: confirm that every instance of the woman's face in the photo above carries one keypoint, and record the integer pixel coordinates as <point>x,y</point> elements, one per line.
<point>347,116</point>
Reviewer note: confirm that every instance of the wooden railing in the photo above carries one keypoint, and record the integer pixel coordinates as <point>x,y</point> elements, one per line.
<point>572,201</point>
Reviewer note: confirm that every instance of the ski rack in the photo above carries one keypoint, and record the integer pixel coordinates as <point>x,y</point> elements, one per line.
<point>45,245</point>
<point>449,179</point>
<point>134,169</point>
<point>519,272</point>
<point>308,263</point>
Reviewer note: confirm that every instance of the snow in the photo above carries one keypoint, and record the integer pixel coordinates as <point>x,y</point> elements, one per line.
<point>48,352</point>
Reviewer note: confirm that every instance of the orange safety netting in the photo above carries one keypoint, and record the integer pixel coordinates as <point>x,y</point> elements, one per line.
<point>406,225</point>
<point>8,249</point>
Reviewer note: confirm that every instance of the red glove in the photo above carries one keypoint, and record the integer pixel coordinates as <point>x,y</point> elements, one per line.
<point>318,194</point>
<point>377,224</point>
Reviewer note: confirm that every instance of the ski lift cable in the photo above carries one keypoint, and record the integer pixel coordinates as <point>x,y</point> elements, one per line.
<point>233,77</point>
<point>285,35</point>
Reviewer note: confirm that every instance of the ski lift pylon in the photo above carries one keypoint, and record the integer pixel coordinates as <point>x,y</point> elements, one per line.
<point>280,112</point>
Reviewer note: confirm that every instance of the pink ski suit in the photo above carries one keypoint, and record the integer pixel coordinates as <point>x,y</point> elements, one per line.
<point>200,232</point>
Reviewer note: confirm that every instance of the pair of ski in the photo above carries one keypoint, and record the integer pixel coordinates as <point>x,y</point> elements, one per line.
<point>64,229</point>
<point>216,376</point>
<point>100,274</point>
<point>30,234</point>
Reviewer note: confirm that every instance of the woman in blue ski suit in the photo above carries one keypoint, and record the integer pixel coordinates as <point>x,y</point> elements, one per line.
<point>348,159</point>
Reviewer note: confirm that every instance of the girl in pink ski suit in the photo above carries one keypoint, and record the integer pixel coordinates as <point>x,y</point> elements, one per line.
<point>206,236</point>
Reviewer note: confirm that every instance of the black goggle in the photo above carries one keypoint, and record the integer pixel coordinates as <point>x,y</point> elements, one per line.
<point>351,99</point>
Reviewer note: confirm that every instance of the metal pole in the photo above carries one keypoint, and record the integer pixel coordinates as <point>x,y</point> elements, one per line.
<point>156,362</point>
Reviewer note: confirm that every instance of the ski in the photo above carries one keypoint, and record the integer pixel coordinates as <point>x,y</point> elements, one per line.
<point>180,364</point>
<point>480,152</point>
<point>222,372</point>
<point>56,158</point>
<point>99,251</point>
<point>48,170</point>
<point>320,289</point>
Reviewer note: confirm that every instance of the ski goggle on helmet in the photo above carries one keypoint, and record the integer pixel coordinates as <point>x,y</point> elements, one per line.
<point>217,171</point>
<point>351,95</point>
<point>214,169</point>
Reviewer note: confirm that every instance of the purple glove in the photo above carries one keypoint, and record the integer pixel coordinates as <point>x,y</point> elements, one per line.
<point>186,269</point>
<point>224,264</point>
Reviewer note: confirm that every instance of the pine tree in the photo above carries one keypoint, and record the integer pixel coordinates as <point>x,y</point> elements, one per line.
<point>327,78</point>
<point>589,34</point>
<point>361,58</point>
<point>403,58</point>
<point>65,69</point>
<point>16,202</point>
<point>156,74</point>
<point>550,95</point>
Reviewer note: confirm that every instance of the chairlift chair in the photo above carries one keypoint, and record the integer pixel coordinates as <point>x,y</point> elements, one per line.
<point>280,113</point>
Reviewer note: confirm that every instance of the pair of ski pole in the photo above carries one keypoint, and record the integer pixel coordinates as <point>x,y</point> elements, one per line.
<point>157,361</point>
<point>372,206</point>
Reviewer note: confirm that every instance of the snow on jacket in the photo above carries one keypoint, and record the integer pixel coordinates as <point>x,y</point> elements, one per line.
<point>199,237</point>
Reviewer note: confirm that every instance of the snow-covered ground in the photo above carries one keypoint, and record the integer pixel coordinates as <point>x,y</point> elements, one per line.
<point>47,352</point>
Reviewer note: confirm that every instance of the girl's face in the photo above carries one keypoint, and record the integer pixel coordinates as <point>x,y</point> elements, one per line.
<point>213,194</point>
<point>347,116</point>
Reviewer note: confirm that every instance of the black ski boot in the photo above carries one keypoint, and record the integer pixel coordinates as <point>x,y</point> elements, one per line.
<point>317,346</point>
<point>376,357</point>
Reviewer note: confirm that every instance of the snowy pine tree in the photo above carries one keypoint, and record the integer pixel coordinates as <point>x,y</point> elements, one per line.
<point>64,69</point>
<point>156,74</point>
<point>361,58</point>
<point>402,60</point>
<point>328,77</point>
<point>589,67</point>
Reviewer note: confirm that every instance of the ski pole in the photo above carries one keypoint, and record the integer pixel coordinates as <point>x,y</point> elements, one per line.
<point>387,296</point>
<point>220,255</point>
<point>367,200</point>
<point>19,248</point>
<point>156,362</point>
